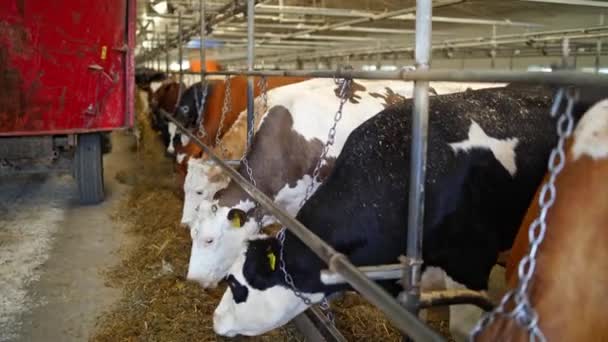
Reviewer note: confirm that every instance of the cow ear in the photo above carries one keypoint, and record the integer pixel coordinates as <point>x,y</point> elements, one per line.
<point>237,217</point>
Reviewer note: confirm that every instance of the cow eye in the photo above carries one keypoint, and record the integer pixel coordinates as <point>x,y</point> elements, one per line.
<point>237,217</point>
<point>185,109</point>
<point>208,241</point>
<point>200,192</point>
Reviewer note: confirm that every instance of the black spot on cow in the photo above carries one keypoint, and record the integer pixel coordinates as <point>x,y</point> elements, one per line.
<point>239,292</point>
<point>257,269</point>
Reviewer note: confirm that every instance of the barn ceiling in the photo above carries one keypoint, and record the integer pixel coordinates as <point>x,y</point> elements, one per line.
<point>287,30</point>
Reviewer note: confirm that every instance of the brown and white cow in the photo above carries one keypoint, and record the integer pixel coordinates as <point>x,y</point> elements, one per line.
<point>188,109</point>
<point>568,288</point>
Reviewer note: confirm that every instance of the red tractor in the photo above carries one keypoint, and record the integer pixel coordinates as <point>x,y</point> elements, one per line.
<point>67,80</point>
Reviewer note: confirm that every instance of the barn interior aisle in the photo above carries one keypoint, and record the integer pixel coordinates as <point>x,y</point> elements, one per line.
<point>53,252</point>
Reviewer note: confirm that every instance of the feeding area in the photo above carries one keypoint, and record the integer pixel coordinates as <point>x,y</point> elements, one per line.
<point>303,170</point>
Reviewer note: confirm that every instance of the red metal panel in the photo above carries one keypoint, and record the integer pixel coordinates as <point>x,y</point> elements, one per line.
<point>66,66</point>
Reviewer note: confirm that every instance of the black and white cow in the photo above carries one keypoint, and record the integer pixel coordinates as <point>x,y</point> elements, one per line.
<point>487,153</point>
<point>187,112</point>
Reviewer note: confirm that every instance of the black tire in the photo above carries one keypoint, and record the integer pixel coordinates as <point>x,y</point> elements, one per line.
<point>89,168</point>
<point>106,143</point>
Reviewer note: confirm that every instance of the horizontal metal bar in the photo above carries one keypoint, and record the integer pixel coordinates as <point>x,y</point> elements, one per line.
<point>233,163</point>
<point>401,318</point>
<point>531,34</point>
<point>279,36</point>
<point>575,78</point>
<point>327,329</point>
<point>455,297</point>
<point>321,11</point>
<point>574,2</point>
<point>471,21</point>
<point>382,272</point>
<point>427,299</point>
<point>366,29</point>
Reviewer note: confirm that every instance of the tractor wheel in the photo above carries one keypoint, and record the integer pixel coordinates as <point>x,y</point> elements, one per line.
<point>89,168</point>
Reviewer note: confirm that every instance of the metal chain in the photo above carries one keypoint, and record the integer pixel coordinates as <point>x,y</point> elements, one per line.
<point>227,107</point>
<point>200,109</point>
<point>344,87</point>
<point>263,85</point>
<point>523,313</point>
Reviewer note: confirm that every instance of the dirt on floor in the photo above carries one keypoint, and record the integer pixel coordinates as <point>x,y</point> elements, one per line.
<point>52,252</point>
<point>157,303</point>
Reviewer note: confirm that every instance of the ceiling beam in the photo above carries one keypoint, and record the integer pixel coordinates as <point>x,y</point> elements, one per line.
<point>471,21</point>
<point>280,37</point>
<point>302,10</point>
<point>382,16</point>
<point>397,46</point>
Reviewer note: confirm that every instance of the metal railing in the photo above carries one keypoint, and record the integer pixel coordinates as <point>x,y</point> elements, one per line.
<point>337,262</point>
<point>574,78</point>
<point>343,270</point>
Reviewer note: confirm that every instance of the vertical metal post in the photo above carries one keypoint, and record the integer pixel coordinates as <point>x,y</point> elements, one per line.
<point>201,50</point>
<point>156,45</point>
<point>180,47</point>
<point>598,47</point>
<point>167,49</point>
<point>493,51</point>
<point>565,52</point>
<point>420,119</point>
<point>250,61</point>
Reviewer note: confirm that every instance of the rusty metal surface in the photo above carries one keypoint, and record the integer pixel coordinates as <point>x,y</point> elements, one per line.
<point>26,147</point>
<point>64,67</point>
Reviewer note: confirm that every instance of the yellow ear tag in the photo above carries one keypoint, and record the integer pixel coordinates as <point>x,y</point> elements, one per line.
<point>272,259</point>
<point>236,222</point>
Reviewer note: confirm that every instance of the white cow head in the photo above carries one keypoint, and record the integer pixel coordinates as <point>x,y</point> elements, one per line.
<point>202,182</point>
<point>257,300</point>
<point>172,131</point>
<point>218,236</point>
<point>173,134</point>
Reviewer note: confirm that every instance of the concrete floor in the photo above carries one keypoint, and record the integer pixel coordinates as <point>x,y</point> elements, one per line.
<point>53,252</point>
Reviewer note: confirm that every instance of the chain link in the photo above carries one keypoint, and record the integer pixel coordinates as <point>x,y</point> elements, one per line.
<point>523,313</point>
<point>200,109</point>
<point>227,107</point>
<point>263,85</point>
<point>344,86</point>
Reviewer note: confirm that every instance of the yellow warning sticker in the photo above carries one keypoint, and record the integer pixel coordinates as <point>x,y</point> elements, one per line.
<point>104,52</point>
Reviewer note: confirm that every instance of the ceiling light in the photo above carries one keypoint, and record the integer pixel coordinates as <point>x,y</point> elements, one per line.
<point>160,7</point>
